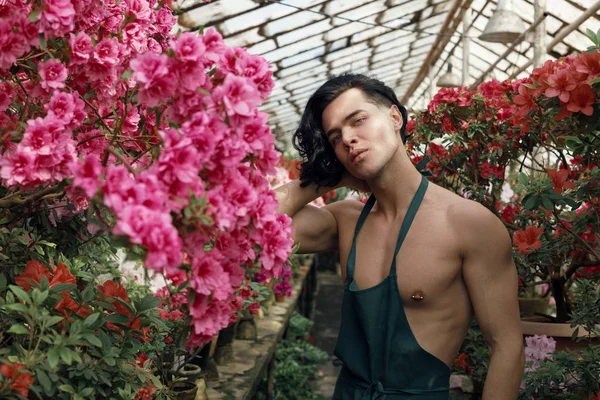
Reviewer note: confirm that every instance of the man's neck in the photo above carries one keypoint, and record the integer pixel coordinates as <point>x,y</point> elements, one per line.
<point>396,186</point>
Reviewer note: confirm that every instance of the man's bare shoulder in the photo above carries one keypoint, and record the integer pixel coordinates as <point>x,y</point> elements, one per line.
<point>476,226</point>
<point>345,208</point>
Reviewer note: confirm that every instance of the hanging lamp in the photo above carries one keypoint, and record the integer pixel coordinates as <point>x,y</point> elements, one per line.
<point>449,79</point>
<point>504,26</point>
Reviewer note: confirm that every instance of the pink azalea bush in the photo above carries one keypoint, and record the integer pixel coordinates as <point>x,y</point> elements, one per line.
<point>157,137</point>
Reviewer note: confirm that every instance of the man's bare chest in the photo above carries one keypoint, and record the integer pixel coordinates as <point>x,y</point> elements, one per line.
<point>428,262</point>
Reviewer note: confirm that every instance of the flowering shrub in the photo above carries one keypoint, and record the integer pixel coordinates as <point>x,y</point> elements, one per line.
<point>157,138</point>
<point>528,151</point>
<point>78,339</point>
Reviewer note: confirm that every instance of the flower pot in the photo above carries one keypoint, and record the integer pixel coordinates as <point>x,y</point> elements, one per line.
<point>247,327</point>
<point>530,306</point>
<point>280,298</point>
<point>267,303</point>
<point>224,350</point>
<point>205,360</point>
<point>562,333</point>
<point>185,390</point>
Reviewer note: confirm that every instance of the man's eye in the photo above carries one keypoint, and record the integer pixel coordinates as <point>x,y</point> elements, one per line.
<point>337,138</point>
<point>359,121</point>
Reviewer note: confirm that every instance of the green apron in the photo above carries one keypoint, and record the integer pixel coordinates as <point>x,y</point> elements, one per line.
<point>382,359</point>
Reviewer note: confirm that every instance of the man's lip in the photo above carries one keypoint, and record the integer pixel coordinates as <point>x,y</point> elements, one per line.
<point>358,153</point>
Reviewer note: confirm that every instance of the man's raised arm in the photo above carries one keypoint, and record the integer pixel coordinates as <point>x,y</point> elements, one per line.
<point>315,228</point>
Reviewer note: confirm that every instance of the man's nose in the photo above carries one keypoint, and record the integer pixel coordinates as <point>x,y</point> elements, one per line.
<point>348,138</point>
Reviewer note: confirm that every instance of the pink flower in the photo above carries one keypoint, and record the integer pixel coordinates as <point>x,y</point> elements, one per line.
<point>56,18</point>
<point>81,48</point>
<point>165,20</point>
<point>209,318</point>
<point>16,168</point>
<point>134,36</point>
<point>106,52</point>
<point>53,74</point>
<point>189,47</point>
<point>12,45</point>
<point>208,276</point>
<point>68,108</point>
<point>86,175</point>
<point>153,230</point>
<point>237,96</point>
<point>43,135</point>
<point>539,348</point>
<point>151,72</point>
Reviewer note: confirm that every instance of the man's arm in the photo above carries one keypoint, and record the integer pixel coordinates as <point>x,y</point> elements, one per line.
<point>490,275</point>
<point>315,228</point>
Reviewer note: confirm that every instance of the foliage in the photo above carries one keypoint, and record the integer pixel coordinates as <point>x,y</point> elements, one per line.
<point>527,150</point>
<point>297,363</point>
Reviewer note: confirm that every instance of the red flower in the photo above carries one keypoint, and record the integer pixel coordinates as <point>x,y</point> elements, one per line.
<point>68,304</point>
<point>62,275</point>
<point>254,307</point>
<point>461,362</point>
<point>582,100</point>
<point>115,290</point>
<point>19,380</point>
<point>588,63</point>
<point>561,84</point>
<point>509,212</point>
<point>559,180</point>
<point>33,273</point>
<point>411,125</point>
<point>528,240</point>
<point>145,393</point>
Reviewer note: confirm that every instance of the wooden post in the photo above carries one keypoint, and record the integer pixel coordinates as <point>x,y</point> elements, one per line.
<point>539,47</point>
<point>466,43</point>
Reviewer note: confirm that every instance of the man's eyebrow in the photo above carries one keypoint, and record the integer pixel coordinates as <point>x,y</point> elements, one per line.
<point>348,117</point>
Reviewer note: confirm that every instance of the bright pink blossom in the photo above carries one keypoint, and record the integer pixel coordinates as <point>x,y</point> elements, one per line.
<point>53,74</point>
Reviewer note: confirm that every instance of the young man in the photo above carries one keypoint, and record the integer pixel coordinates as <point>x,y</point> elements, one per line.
<point>418,261</point>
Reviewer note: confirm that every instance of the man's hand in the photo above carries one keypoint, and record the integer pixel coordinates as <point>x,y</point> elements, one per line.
<point>352,182</point>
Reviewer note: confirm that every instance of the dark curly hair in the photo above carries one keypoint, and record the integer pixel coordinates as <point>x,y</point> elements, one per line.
<point>319,163</point>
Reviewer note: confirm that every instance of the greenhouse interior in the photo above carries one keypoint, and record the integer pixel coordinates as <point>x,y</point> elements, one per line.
<point>300,199</point>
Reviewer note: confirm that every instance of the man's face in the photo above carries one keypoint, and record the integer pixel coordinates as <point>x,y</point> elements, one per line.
<point>363,135</point>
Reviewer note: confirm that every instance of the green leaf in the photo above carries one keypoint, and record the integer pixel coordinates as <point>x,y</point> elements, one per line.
<point>89,321</point>
<point>65,354</point>
<point>125,304</point>
<point>20,293</point>
<point>18,307</point>
<point>39,249</point>
<point>106,341</point>
<point>523,178</point>
<point>149,302</point>
<point>43,379</point>
<point>126,75</point>
<point>3,282</point>
<point>590,33</point>
<point>39,297</point>
<point>547,203</point>
<point>531,202</point>
<point>53,321</point>
<point>63,287</point>
<point>19,329</point>
<point>42,41</point>
<point>92,339</point>
<point>67,388</point>
<point>89,94</point>
<point>86,392</point>
<point>594,81</point>
<point>33,17</point>
<point>53,358</point>
<point>118,319</point>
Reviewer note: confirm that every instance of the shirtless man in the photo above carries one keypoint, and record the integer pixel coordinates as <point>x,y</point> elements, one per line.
<point>404,316</point>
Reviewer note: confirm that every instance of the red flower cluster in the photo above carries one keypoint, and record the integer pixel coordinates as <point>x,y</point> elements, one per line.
<point>18,380</point>
<point>462,362</point>
<point>528,240</point>
<point>568,79</point>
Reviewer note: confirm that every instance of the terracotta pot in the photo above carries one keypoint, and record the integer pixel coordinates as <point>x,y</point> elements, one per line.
<point>280,298</point>
<point>530,306</point>
<point>562,333</point>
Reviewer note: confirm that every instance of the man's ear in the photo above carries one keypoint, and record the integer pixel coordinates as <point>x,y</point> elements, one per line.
<point>396,116</point>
